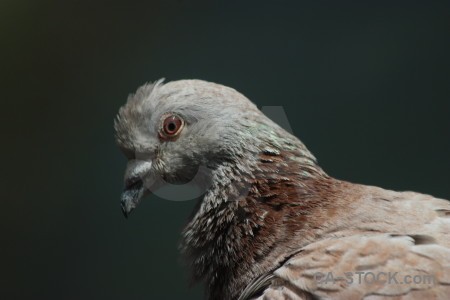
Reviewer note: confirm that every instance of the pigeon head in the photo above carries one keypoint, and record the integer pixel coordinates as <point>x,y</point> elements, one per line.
<point>180,131</point>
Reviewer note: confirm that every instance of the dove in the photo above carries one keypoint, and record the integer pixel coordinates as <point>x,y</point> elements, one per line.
<point>271,224</point>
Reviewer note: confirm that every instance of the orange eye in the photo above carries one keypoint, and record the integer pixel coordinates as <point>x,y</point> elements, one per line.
<point>172,125</point>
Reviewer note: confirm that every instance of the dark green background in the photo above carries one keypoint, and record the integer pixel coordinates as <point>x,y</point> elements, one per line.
<point>365,86</point>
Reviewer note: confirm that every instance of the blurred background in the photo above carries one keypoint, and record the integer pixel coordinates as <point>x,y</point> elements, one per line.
<point>364,85</point>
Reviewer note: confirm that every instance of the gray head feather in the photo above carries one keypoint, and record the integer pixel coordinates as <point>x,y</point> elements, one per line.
<point>221,125</point>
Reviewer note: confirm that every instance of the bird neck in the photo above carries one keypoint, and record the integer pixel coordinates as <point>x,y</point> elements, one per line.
<point>247,214</point>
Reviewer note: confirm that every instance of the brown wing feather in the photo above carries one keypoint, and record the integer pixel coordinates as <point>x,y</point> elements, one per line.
<point>375,254</point>
<point>413,239</point>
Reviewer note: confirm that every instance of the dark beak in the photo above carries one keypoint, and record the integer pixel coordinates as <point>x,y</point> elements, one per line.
<point>138,182</point>
<point>131,195</point>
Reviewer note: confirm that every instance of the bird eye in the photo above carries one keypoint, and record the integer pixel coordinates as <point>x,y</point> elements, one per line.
<point>171,125</point>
